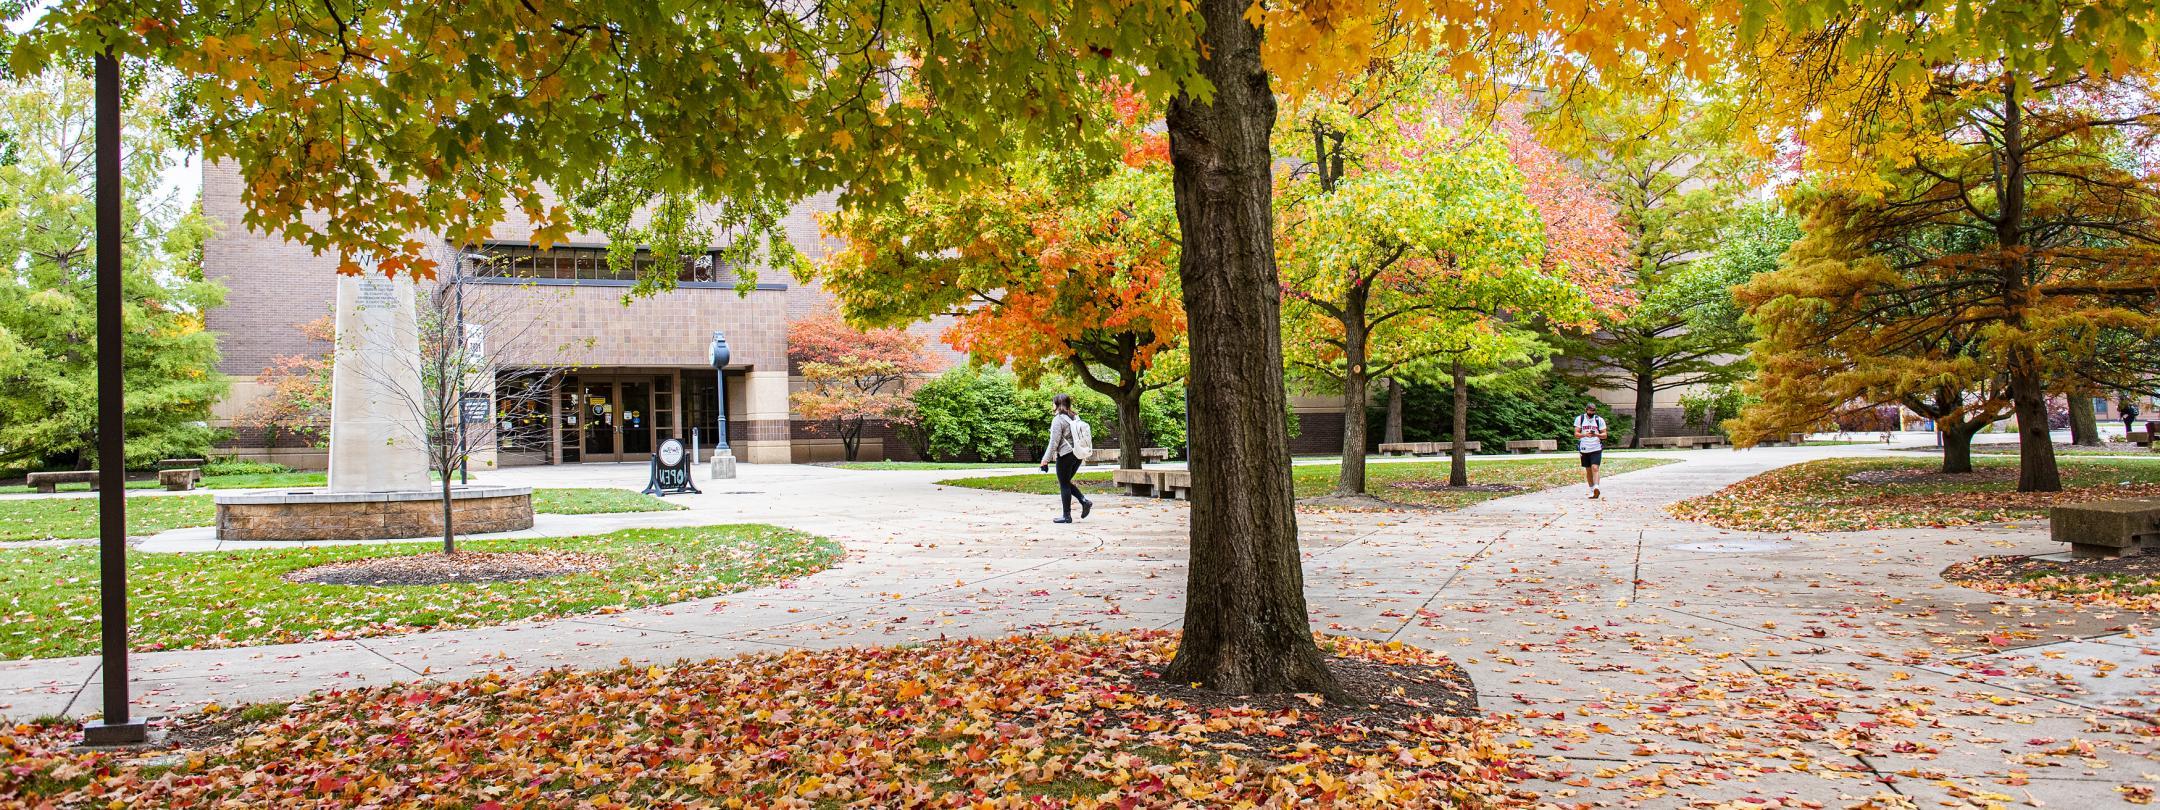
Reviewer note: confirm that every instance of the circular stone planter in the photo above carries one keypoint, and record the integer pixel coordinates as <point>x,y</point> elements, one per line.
<point>324,515</point>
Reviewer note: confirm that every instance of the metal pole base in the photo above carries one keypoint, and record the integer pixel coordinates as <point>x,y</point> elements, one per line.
<point>102,734</point>
<point>723,464</point>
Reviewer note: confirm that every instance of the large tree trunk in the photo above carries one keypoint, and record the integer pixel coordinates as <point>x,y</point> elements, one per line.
<point>1645,408</point>
<point>1957,444</point>
<point>1246,626</point>
<point>1351,479</point>
<point>2084,431</point>
<point>1392,433</point>
<point>2036,446</point>
<point>1458,473</point>
<point>1131,431</point>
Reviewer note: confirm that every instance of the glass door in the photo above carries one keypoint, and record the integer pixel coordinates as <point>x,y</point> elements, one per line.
<point>635,397</point>
<point>603,428</point>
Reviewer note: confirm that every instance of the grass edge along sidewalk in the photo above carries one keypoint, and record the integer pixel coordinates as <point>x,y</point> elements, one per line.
<point>237,599</point>
<point>1402,483</point>
<point>56,518</point>
<point>1901,493</point>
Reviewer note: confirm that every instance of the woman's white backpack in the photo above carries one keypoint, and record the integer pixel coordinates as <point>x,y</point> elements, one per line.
<point>1083,438</point>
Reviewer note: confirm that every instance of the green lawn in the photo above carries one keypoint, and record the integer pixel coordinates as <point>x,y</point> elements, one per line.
<point>1385,481</point>
<point>229,599</point>
<point>1821,496</point>
<point>597,500</point>
<point>932,465</point>
<point>60,518</point>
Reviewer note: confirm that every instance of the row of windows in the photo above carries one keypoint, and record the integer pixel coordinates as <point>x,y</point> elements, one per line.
<point>587,264</point>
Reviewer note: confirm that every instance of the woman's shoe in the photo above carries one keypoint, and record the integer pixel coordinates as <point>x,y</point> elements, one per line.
<point>1062,519</point>
<point>1086,507</point>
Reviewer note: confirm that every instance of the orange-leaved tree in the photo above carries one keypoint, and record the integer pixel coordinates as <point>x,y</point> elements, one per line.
<point>1060,260</point>
<point>296,396</point>
<point>855,377</point>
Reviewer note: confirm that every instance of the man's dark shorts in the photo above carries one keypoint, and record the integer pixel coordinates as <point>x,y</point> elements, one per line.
<point>1593,458</point>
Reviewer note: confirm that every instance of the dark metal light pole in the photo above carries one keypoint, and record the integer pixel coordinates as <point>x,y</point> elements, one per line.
<point>117,728</point>
<point>723,458</point>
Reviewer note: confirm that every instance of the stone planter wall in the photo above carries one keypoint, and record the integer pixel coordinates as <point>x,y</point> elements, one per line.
<point>371,515</point>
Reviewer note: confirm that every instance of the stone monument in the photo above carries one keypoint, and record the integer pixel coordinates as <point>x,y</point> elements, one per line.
<point>375,432</point>
<point>379,486</point>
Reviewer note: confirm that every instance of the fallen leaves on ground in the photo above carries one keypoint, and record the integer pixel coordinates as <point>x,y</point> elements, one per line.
<point>49,595</point>
<point>2129,583</point>
<point>1017,722</point>
<point>1861,494</point>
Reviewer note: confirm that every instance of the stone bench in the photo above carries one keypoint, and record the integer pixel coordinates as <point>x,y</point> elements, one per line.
<point>2138,437</point>
<point>1666,441</point>
<point>1111,455</point>
<point>1707,441</point>
<point>1797,439</point>
<point>1437,448</point>
<point>1533,445</point>
<point>1155,483</point>
<point>179,463</point>
<point>180,480</point>
<point>50,481</point>
<point>2106,528</point>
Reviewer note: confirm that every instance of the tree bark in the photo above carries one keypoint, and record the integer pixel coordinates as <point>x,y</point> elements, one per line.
<point>2036,446</point>
<point>1246,625</point>
<point>449,531</point>
<point>1458,474</point>
<point>1132,433</point>
<point>1957,445</point>
<point>1351,478</point>
<point>1645,408</point>
<point>1392,433</point>
<point>2084,429</point>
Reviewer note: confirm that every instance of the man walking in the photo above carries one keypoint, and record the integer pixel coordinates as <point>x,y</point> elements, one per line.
<point>1590,434</point>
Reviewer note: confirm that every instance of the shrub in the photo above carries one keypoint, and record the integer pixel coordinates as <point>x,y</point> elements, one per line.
<point>1543,406</point>
<point>1712,406</point>
<point>971,414</point>
<point>238,467</point>
<point>1163,410</point>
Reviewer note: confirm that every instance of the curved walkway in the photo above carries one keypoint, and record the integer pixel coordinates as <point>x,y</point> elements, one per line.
<point>1652,660</point>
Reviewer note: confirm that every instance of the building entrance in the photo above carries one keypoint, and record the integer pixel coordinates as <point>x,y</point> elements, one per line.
<point>617,418</point>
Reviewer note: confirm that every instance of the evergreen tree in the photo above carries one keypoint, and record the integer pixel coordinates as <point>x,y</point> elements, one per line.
<point>48,291</point>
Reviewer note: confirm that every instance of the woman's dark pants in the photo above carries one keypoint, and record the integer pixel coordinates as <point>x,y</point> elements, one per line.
<point>1068,465</point>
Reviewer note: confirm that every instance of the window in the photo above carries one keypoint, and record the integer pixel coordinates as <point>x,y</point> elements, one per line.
<point>583,264</point>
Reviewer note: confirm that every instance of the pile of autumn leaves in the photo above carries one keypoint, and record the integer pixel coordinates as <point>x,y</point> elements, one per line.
<point>1021,722</point>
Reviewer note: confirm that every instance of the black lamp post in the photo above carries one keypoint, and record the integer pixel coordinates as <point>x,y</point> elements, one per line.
<point>116,728</point>
<point>723,460</point>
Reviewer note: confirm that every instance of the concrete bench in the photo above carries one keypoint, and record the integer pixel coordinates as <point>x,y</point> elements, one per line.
<point>1397,448</point>
<point>1664,441</point>
<point>179,463</point>
<point>1533,445</point>
<point>2106,528</point>
<point>1707,441</point>
<point>1797,439</point>
<point>1103,455</point>
<point>1155,483</point>
<point>50,481</point>
<point>180,480</point>
<point>1154,454</point>
<point>2138,437</point>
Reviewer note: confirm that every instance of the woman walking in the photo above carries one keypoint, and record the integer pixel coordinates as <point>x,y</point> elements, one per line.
<point>1071,441</point>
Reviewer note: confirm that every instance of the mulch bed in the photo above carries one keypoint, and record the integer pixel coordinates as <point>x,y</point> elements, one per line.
<point>1384,697</point>
<point>2108,582</point>
<point>1990,475</point>
<point>441,569</point>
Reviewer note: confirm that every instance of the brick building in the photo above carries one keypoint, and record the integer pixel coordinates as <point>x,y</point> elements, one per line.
<point>642,369</point>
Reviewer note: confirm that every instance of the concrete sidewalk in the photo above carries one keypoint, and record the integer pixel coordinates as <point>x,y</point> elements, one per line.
<point>1652,661</point>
